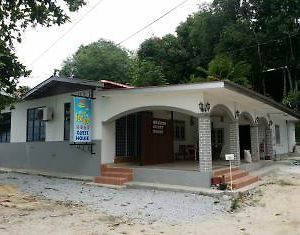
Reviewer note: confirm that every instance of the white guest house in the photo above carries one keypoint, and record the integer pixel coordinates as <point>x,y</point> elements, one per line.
<point>177,134</point>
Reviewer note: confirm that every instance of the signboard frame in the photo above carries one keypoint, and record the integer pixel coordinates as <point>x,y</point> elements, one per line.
<point>83,145</point>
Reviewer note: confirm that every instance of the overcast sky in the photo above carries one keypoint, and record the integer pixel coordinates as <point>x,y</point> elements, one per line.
<point>110,19</point>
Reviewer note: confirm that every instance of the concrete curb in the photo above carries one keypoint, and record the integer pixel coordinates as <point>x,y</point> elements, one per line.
<point>106,185</point>
<point>179,188</point>
<point>48,174</point>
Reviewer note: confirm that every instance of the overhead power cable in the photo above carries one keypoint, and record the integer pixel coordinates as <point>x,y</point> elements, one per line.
<point>153,22</point>
<point>66,32</point>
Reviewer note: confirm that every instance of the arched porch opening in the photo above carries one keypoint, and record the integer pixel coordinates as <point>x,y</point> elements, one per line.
<point>221,118</point>
<point>152,136</point>
<point>245,121</point>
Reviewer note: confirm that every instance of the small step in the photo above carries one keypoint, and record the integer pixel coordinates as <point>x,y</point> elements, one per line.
<point>244,181</point>
<point>128,176</point>
<point>107,168</point>
<point>110,180</point>
<point>235,175</point>
<point>222,171</point>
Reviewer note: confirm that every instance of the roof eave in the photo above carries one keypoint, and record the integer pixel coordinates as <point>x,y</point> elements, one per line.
<point>250,93</point>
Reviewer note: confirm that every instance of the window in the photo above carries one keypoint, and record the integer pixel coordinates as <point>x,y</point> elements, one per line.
<point>217,136</point>
<point>277,134</point>
<point>179,130</point>
<point>128,136</point>
<point>5,123</point>
<point>67,119</point>
<point>35,125</point>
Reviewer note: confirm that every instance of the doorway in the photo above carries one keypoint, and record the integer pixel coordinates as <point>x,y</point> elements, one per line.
<point>245,139</point>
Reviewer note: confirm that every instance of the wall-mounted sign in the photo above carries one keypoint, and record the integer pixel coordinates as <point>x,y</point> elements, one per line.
<point>158,127</point>
<point>82,119</point>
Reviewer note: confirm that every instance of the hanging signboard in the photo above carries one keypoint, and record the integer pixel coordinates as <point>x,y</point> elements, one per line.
<point>82,119</point>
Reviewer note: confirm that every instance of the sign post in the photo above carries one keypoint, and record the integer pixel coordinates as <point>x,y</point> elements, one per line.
<point>230,157</point>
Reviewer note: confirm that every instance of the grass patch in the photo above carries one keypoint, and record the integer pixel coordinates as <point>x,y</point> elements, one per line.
<point>236,202</point>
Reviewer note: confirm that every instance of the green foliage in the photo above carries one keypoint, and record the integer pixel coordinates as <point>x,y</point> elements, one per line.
<point>97,61</point>
<point>20,92</point>
<point>292,100</point>
<point>255,34</point>
<point>15,17</point>
<point>146,73</point>
<point>167,53</point>
<point>223,68</point>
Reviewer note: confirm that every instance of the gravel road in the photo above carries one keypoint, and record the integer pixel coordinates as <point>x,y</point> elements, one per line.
<point>139,206</point>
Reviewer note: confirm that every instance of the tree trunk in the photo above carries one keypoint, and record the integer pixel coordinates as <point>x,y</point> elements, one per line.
<point>290,78</point>
<point>284,83</point>
<point>296,81</point>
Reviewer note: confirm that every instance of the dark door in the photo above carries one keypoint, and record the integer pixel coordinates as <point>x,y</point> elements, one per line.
<point>245,139</point>
<point>156,140</point>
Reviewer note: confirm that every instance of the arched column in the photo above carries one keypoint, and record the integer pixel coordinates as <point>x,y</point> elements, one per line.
<point>262,136</point>
<point>254,142</point>
<point>269,143</point>
<point>205,155</point>
<point>234,142</point>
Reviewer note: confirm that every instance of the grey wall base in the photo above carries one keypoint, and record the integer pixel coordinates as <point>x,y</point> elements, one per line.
<point>57,156</point>
<point>174,177</point>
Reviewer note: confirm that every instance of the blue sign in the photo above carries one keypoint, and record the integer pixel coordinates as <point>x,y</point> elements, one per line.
<point>82,119</point>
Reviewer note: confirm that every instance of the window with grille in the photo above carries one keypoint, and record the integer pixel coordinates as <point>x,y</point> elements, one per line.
<point>277,134</point>
<point>179,130</point>
<point>35,125</point>
<point>127,136</point>
<point>5,126</point>
<point>67,120</point>
<point>217,136</point>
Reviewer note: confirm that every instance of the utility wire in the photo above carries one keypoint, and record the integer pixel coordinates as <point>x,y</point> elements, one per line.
<point>66,32</point>
<point>153,22</point>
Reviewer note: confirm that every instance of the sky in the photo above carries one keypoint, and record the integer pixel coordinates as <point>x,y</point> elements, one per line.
<point>43,49</point>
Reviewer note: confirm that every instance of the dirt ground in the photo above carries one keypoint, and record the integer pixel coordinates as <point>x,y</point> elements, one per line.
<point>272,208</point>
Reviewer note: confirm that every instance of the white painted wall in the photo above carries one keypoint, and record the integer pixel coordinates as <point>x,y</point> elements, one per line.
<point>113,105</point>
<point>108,105</point>
<point>291,135</point>
<point>55,127</point>
<point>282,147</point>
<point>108,143</point>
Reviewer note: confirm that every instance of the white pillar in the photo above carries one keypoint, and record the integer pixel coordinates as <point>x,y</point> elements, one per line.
<point>205,156</point>
<point>254,142</point>
<point>234,140</point>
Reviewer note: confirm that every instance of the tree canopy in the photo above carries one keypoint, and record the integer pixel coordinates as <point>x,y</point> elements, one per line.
<point>15,17</point>
<point>258,39</point>
<point>99,60</point>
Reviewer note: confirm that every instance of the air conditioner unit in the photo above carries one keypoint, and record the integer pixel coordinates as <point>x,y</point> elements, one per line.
<point>47,114</point>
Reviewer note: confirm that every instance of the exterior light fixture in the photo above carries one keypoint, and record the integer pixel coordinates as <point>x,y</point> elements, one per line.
<point>237,113</point>
<point>207,106</point>
<point>270,123</point>
<point>201,107</point>
<point>204,107</point>
<point>256,120</point>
